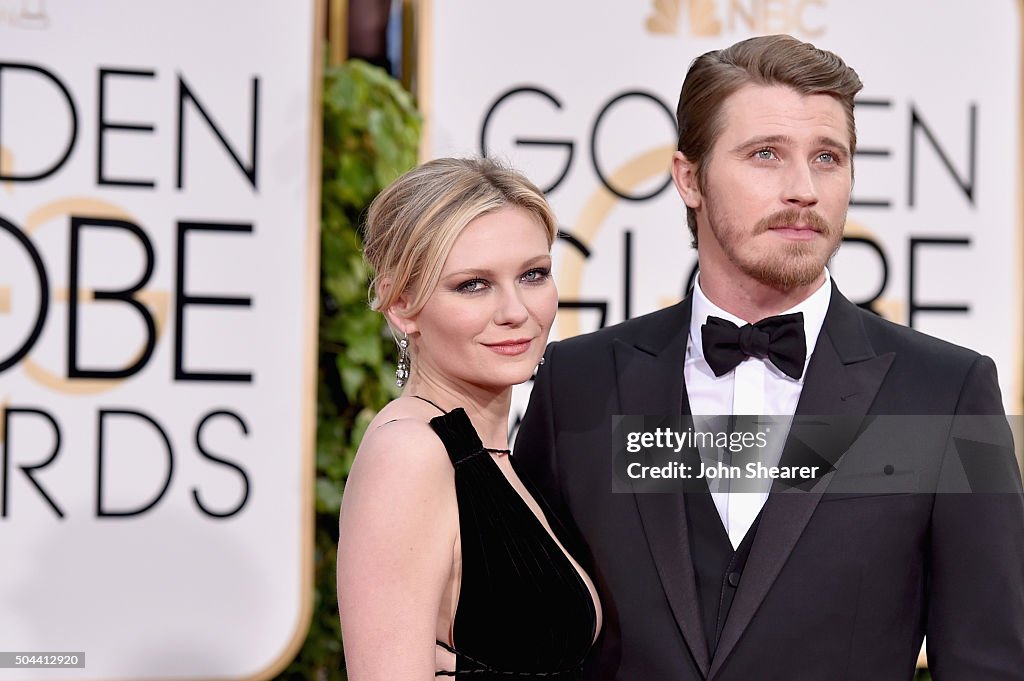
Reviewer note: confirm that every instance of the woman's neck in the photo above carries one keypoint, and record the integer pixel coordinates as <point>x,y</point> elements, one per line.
<point>487,407</point>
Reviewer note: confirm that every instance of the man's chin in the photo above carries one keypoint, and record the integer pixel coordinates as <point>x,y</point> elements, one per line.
<point>788,275</point>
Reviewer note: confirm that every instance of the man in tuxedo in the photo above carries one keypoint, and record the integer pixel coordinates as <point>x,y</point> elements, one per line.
<point>800,585</point>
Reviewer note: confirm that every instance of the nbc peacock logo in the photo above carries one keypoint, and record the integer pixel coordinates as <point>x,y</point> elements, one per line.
<point>713,18</point>
<point>28,14</point>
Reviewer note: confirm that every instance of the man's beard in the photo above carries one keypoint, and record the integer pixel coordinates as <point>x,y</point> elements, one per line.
<point>788,265</point>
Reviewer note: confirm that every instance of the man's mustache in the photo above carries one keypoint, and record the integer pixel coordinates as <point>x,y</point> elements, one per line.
<point>794,216</point>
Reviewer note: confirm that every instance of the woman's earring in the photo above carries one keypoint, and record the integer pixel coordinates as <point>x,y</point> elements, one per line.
<point>402,370</point>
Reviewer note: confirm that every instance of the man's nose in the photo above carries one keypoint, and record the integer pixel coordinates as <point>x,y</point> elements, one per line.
<point>800,189</point>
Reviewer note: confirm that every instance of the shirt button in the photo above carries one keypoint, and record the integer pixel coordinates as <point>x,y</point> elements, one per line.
<point>734,579</point>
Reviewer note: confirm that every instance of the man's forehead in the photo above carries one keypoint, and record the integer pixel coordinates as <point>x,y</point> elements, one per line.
<point>779,111</point>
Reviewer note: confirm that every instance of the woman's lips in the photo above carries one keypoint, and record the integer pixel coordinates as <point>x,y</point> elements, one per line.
<point>511,348</point>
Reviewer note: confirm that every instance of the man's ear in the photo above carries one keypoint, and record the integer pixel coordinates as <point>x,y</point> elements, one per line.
<point>684,176</point>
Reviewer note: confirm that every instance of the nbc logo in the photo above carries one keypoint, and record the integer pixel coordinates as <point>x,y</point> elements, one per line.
<point>710,18</point>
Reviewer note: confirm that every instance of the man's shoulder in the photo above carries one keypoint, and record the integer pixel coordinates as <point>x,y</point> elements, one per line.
<point>652,328</point>
<point>887,336</point>
<point>925,374</point>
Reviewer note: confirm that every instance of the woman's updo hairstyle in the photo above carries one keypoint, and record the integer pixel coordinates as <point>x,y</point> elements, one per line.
<point>412,225</point>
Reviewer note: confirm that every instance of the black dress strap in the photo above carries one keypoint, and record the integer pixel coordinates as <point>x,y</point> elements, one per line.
<point>430,403</point>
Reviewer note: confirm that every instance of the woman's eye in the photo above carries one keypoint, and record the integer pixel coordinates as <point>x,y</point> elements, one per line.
<point>535,275</point>
<point>471,286</point>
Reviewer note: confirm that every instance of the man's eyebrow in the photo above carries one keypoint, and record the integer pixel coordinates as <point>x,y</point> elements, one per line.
<point>831,142</point>
<point>768,140</point>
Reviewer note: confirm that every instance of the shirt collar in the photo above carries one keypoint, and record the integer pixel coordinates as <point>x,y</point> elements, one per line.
<point>814,308</point>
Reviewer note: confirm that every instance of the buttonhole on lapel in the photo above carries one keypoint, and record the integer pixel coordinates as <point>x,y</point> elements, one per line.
<point>888,470</point>
<point>846,397</point>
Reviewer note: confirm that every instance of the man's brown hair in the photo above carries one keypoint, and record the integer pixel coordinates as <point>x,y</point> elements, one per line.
<point>764,60</point>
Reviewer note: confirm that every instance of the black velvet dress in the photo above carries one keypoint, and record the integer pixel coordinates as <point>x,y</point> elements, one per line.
<point>524,611</point>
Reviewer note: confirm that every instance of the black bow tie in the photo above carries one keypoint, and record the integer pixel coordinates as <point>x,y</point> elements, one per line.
<point>780,339</point>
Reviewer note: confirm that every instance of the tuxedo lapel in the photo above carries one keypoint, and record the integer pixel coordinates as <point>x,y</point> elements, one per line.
<point>842,379</point>
<point>650,381</point>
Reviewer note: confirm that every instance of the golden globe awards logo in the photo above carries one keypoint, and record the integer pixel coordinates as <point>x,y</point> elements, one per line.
<point>115,315</point>
<point>609,238</point>
<point>935,203</point>
<point>158,270</point>
<point>712,18</point>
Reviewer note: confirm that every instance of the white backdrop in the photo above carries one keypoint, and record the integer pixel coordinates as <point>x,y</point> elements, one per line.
<point>159,162</point>
<point>581,96</point>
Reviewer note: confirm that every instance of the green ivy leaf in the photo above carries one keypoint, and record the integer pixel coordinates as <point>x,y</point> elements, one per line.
<point>352,377</point>
<point>371,133</point>
<point>328,496</point>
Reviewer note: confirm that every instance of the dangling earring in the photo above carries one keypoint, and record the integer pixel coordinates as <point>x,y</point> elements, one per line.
<point>541,362</point>
<point>402,370</point>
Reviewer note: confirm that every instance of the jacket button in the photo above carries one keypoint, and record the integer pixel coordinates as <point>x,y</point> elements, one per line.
<point>734,579</point>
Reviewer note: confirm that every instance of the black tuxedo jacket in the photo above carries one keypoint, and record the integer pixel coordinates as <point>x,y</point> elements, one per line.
<point>835,586</point>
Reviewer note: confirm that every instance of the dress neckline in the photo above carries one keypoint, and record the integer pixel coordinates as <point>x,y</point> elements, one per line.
<point>460,417</point>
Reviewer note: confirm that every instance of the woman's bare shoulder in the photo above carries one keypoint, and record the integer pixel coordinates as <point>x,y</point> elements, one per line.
<point>399,526</point>
<point>401,432</point>
<point>401,452</point>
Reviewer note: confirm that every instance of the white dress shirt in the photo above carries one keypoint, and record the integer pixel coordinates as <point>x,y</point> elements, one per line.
<point>754,387</point>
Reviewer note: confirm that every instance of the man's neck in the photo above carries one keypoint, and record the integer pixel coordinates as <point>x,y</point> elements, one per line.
<point>751,300</point>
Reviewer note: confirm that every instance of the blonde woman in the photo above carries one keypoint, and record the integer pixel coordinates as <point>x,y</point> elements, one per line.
<point>448,565</point>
